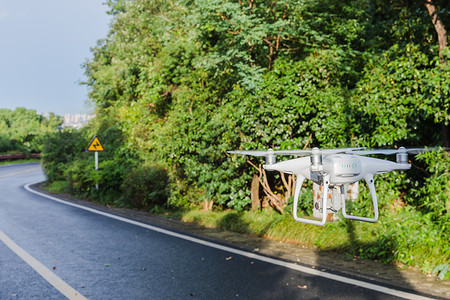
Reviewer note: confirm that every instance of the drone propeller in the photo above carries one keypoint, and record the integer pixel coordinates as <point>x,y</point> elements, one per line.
<point>253,152</point>
<point>402,152</point>
<point>394,151</point>
<point>316,150</point>
<point>294,152</point>
<point>270,154</point>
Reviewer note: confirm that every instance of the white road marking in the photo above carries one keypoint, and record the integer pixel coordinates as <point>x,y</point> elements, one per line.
<point>48,275</point>
<point>273,261</point>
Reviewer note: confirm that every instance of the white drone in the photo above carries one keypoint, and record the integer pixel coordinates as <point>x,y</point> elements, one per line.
<point>335,168</point>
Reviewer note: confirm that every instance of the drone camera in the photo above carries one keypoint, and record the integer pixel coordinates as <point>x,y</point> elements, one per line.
<point>317,177</point>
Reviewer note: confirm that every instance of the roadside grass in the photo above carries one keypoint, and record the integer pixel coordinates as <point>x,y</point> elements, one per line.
<point>18,161</point>
<point>403,238</point>
<point>58,187</point>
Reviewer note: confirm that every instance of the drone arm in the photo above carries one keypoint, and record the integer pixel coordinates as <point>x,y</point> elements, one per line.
<point>297,194</point>
<point>370,183</point>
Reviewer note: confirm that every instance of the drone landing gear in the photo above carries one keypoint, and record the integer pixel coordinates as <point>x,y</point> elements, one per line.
<point>298,187</point>
<point>371,185</point>
<point>337,201</point>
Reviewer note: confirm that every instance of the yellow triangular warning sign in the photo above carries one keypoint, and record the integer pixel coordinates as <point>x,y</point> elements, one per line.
<point>95,145</point>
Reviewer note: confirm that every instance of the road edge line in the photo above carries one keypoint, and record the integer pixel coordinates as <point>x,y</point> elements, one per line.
<point>44,272</point>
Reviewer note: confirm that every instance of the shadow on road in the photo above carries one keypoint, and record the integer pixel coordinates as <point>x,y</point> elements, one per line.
<point>349,262</point>
<point>344,261</point>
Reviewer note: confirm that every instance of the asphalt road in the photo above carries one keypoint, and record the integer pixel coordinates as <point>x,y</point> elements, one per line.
<point>48,249</point>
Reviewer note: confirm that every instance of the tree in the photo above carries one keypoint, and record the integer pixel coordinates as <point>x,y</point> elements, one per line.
<point>442,38</point>
<point>438,26</point>
<point>25,129</point>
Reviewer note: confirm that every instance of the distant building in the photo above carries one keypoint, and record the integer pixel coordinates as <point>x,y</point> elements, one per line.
<point>77,120</point>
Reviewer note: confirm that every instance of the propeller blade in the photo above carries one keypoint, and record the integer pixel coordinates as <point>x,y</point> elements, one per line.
<point>269,154</point>
<point>293,152</point>
<point>321,151</point>
<point>395,151</point>
<point>421,150</point>
<point>340,150</point>
<point>375,151</point>
<point>250,152</point>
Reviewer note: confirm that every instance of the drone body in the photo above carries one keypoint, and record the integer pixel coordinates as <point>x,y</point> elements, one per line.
<point>334,169</point>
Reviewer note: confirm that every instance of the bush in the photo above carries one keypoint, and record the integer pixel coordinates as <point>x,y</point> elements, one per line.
<point>146,187</point>
<point>10,145</point>
<point>432,196</point>
<point>59,150</point>
<point>80,175</point>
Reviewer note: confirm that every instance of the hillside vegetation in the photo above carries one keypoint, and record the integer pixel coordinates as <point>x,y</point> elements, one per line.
<point>176,84</point>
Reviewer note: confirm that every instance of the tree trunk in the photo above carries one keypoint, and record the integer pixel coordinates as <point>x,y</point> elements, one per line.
<point>207,205</point>
<point>442,38</point>
<point>438,26</point>
<point>256,203</point>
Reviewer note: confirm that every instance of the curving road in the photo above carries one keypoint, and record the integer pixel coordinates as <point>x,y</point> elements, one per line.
<point>50,250</point>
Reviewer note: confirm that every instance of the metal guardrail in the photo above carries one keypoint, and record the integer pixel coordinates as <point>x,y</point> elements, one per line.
<point>19,156</point>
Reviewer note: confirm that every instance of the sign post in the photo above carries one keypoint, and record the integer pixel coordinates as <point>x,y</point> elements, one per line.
<point>96,147</point>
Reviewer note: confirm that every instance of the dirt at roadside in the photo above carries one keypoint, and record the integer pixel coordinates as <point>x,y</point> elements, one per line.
<point>390,275</point>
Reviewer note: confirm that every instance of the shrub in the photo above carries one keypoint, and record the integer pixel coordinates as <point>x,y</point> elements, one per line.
<point>432,196</point>
<point>60,149</point>
<point>145,187</point>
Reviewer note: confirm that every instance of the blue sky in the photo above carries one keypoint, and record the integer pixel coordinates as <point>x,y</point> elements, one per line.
<point>42,47</point>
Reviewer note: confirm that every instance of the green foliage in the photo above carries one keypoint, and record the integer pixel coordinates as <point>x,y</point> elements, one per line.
<point>185,81</point>
<point>145,187</point>
<point>116,6</point>
<point>58,187</point>
<point>300,101</point>
<point>442,271</point>
<point>121,178</point>
<point>393,100</point>
<point>22,130</point>
<point>417,239</point>
<point>8,145</point>
<point>432,195</point>
<point>81,175</point>
<point>60,150</point>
